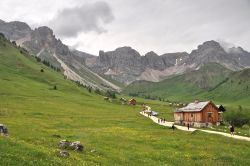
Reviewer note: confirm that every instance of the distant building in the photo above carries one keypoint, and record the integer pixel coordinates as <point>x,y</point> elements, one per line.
<point>198,114</point>
<point>221,108</point>
<point>132,102</point>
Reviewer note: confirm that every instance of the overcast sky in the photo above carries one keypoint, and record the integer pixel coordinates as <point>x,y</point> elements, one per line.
<point>158,25</point>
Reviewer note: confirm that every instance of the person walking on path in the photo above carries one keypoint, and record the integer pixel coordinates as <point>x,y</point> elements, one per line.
<point>232,130</point>
<point>173,127</point>
<point>188,126</point>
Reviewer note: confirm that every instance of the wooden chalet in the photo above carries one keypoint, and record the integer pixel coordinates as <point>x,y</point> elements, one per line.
<point>198,114</point>
<point>132,102</point>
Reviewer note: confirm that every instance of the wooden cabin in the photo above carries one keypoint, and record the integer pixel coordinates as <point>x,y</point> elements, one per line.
<point>198,114</point>
<point>132,102</point>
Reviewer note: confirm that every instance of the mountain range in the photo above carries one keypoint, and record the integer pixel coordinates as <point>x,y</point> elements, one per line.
<point>124,65</point>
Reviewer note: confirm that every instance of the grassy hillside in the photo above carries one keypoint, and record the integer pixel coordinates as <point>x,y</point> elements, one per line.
<point>235,89</point>
<point>182,86</point>
<point>113,134</point>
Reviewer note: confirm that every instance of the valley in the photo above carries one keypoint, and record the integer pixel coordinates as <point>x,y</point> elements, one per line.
<point>38,117</point>
<point>50,93</point>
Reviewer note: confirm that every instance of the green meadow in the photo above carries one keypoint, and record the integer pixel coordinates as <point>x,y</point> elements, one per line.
<point>38,117</point>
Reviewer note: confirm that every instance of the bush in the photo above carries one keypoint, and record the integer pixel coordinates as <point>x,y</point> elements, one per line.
<point>14,43</point>
<point>245,126</point>
<point>111,94</point>
<point>89,89</point>
<point>98,91</point>
<point>2,36</point>
<point>38,59</point>
<point>237,118</point>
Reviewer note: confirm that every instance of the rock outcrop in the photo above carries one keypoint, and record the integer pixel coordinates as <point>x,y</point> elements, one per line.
<point>76,146</point>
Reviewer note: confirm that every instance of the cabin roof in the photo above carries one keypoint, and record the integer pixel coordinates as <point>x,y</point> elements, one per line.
<point>193,107</point>
<point>154,113</point>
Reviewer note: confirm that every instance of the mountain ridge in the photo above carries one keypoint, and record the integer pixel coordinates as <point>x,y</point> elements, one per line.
<point>124,64</point>
<point>42,42</point>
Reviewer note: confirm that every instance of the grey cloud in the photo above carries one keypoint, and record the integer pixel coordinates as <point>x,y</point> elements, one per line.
<point>88,17</point>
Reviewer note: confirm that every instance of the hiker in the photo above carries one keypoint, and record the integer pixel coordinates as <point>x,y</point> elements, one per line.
<point>188,126</point>
<point>5,131</point>
<point>164,120</point>
<point>158,120</point>
<point>173,127</point>
<point>232,130</point>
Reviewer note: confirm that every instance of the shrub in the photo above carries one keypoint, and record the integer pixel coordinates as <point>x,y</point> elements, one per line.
<point>98,91</point>
<point>2,36</point>
<point>245,126</point>
<point>237,118</point>
<point>90,89</point>
<point>38,59</point>
<point>14,43</point>
<point>110,94</point>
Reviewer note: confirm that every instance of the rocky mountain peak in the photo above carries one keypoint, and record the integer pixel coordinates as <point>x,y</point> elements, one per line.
<point>44,31</point>
<point>1,21</point>
<point>14,30</point>
<point>208,49</point>
<point>210,45</point>
<point>20,25</point>
<point>101,53</point>
<point>123,49</point>
<point>126,51</point>
<point>236,50</point>
<point>151,54</point>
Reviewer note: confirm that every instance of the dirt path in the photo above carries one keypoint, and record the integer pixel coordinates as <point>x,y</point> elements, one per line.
<point>169,124</point>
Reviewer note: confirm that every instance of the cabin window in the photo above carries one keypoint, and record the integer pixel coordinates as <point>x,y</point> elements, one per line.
<point>209,114</point>
<point>192,115</point>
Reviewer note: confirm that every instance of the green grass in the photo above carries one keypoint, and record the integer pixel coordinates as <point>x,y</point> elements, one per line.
<point>34,112</point>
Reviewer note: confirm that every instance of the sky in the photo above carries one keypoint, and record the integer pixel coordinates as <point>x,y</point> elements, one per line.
<point>161,26</point>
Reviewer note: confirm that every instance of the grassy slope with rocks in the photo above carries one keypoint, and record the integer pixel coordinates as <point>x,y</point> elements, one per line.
<point>113,134</point>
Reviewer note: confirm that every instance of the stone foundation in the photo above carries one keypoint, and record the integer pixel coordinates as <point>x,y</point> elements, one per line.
<point>195,124</point>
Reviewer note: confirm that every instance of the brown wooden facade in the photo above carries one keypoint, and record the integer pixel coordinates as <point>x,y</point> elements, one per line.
<point>210,114</point>
<point>132,102</point>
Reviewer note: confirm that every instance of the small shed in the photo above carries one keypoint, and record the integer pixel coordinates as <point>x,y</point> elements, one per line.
<point>221,108</point>
<point>132,102</point>
<point>153,113</point>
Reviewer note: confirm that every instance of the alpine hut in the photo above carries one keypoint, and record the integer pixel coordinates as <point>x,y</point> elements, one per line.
<point>198,114</point>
